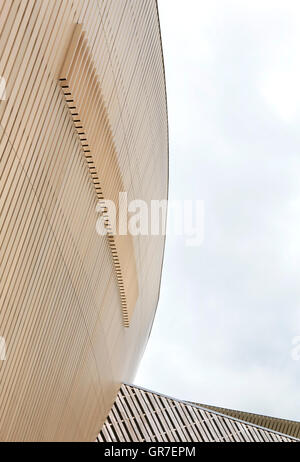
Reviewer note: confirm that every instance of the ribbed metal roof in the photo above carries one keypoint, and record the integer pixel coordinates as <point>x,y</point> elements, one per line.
<point>141,415</point>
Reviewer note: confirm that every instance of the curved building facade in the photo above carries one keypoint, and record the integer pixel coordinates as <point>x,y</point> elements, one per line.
<point>82,118</point>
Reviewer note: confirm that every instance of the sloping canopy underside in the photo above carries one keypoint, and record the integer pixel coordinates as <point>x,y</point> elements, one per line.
<point>140,415</point>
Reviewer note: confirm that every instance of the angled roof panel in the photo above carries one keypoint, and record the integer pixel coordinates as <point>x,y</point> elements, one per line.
<point>161,418</point>
<point>288,427</point>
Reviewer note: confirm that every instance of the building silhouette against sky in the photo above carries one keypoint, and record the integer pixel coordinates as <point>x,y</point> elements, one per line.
<point>83,117</point>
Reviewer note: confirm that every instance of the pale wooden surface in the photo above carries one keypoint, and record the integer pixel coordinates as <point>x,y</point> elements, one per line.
<point>289,427</point>
<point>82,91</point>
<point>141,415</point>
<point>60,312</point>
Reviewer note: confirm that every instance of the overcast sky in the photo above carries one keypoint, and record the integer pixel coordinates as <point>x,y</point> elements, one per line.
<point>230,308</point>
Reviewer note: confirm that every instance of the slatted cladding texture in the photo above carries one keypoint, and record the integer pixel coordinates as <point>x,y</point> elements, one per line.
<point>140,415</point>
<point>82,91</point>
<point>67,349</point>
<point>288,427</point>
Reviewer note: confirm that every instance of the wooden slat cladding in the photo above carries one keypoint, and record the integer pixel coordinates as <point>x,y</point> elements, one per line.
<point>288,427</point>
<point>140,415</point>
<point>81,88</point>
<point>67,350</point>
